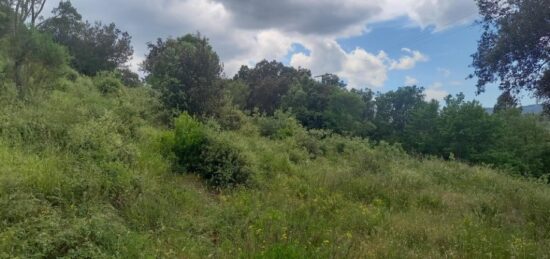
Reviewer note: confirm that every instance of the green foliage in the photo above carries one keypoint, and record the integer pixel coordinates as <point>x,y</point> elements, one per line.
<point>108,83</point>
<point>466,129</point>
<point>222,164</point>
<point>34,62</point>
<point>523,144</point>
<point>268,82</point>
<point>421,132</point>
<point>344,114</point>
<point>190,138</point>
<point>186,72</point>
<point>128,77</point>
<point>327,105</point>
<point>281,125</point>
<point>393,110</point>
<point>213,158</point>
<point>94,47</point>
<point>4,20</point>
<point>86,174</point>
<point>513,48</point>
<point>87,166</point>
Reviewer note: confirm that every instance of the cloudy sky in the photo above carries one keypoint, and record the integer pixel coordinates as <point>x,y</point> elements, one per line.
<point>376,44</point>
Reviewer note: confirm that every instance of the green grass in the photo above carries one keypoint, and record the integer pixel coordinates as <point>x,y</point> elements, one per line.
<point>86,175</point>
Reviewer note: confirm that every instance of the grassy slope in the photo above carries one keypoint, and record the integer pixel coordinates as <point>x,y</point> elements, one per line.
<point>83,175</point>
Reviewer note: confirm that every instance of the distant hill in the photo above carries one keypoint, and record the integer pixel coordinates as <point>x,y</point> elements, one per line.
<point>529,109</point>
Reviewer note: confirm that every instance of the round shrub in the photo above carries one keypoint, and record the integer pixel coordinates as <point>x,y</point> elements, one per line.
<point>108,83</point>
<point>222,165</point>
<point>213,158</point>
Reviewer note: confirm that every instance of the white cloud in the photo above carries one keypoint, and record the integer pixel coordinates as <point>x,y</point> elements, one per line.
<point>364,69</point>
<point>247,31</point>
<point>436,92</point>
<point>410,81</point>
<point>408,61</point>
<point>359,67</point>
<point>441,14</point>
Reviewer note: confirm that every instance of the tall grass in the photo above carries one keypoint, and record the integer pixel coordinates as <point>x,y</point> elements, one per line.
<point>85,174</point>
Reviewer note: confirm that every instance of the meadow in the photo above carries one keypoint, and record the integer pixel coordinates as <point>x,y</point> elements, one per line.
<point>88,173</point>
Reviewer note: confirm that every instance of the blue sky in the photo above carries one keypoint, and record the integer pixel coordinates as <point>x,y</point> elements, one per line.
<point>449,52</point>
<point>449,57</point>
<point>376,44</point>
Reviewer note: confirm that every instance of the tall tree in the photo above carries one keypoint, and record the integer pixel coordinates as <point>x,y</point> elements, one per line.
<point>505,101</point>
<point>467,131</point>
<point>94,47</point>
<point>514,49</point>
<point>186,71</point>
<point>268,82</point>
<point>393,110</point>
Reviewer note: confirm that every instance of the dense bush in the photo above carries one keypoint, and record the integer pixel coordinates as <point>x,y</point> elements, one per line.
<point>189,139</point>
<point>108,83</point>
<point>221,164</point>
<point>278,126</point>
<point>33,62</point>
<point>213,158</point>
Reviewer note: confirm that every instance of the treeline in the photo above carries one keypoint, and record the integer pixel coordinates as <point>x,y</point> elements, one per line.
<point>187,76</point>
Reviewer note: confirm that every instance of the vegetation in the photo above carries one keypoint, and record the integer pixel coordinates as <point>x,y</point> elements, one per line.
<point>272,163</point>
<point>94,47</point>
<point>514,48</point>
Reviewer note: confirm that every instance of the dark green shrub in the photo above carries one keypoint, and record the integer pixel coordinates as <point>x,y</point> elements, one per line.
<point>222,164</point>
<point>189,139</point>
<point>214,159</point>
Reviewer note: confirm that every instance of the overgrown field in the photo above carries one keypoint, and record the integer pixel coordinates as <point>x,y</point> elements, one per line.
<point>85,174</point>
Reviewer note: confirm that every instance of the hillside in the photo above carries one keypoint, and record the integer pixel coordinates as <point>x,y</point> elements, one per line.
<point>90,174</point>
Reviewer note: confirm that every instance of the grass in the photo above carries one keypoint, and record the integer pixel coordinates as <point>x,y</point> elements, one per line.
<point>86,175</point>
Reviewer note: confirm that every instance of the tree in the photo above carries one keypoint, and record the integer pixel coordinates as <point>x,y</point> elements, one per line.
<point>128,77</point>
<point>514,49</point>
<point>307,99</point>
<point>467,131</point>
<point>5,13</point>
<point>332,79</point>
<point>187,73</point>
<point>268,83</point>
<point>344,114</point>
<point>421,131</point>
<point>34,61</point>
<point>523,144</point>
<point>505,101</point>
<point>326,104</point>
<point>393,109</point>
<point>94,47</point>
<point>23,10</point>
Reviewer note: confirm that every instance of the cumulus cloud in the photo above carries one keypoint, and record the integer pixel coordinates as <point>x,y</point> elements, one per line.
<point>408,61</point>
<point>436,92</point>
<point>247,31</point>
<point>358,67</point>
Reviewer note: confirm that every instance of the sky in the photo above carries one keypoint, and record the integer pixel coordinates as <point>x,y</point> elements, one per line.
<point>376,44</point>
